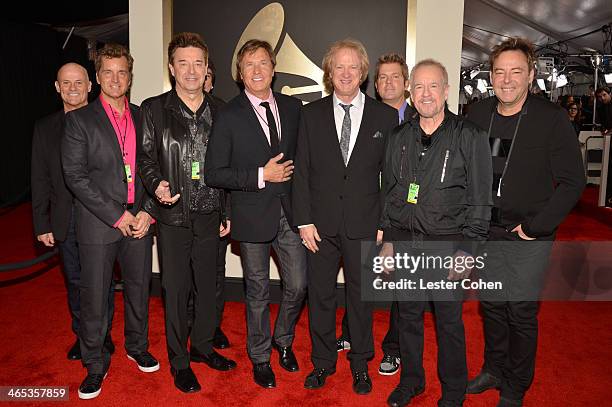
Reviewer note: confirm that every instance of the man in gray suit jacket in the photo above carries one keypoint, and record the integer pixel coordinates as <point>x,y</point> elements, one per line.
<point>99,163</point>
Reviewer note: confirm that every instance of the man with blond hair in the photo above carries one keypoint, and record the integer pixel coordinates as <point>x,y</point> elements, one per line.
<point>337,204</point>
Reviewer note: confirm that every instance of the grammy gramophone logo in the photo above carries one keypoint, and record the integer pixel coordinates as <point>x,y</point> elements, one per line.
<point>268,25</point>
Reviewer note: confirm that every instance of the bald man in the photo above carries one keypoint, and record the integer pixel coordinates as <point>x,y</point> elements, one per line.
<point>51,200</point>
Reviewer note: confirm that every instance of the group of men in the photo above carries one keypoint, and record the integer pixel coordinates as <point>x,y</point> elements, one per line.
<point>317,184</point>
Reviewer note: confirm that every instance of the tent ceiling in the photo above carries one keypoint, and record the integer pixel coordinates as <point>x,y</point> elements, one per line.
<point>545,22</point>
<point>486,23</point>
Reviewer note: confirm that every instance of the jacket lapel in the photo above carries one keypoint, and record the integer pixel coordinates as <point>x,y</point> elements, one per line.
<point>334,137</point>
<point>363,129</point>
<point>284,131</point>
<point>254,122</point>
<point>107,130</point>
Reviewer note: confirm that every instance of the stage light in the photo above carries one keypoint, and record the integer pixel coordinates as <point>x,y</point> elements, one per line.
<point>474,73</point>
<point>608,77</point>
<point>542,84</point>
<point>468,89</point>
<point>482,86</point>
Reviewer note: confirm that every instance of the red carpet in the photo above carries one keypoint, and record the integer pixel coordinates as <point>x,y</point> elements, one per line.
<point>573,365</point>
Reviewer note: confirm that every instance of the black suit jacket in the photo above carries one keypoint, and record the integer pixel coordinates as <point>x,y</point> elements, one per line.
<point>325,191</point>
<point>237,148</point>
<point>95,173</point>
<point>51,199</point>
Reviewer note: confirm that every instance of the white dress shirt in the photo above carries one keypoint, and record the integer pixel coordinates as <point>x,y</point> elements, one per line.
<point>356,113</point>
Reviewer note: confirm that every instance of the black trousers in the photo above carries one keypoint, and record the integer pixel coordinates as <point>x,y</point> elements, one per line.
<point>255,259</point>
<point>447,306</point>
<point>220,284</point>
<point>323,269</point>
<point>390,344</point>
<point>69,253</point>
<point>511,317</point>
<point>189,267</point>
<point>97,261</point>
<point>450,334</point>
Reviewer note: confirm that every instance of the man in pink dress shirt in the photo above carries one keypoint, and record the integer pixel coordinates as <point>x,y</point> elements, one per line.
<point>99,163</point>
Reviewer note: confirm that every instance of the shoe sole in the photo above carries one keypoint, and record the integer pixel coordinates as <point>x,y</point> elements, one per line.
<point>388,373</point>
<point>143,368</point>
<point>89,396</point>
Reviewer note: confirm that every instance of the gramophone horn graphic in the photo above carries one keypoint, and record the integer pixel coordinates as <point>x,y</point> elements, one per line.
<point>267,25</point>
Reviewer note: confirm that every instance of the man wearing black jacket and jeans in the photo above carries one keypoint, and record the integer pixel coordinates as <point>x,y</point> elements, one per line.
<point>538,178</point>
<point>437,198</point>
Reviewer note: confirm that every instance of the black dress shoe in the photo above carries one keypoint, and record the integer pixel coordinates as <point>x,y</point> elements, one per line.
<point>402,395</point>
<point>220,341</point>
<point>213,360</point>
<point>109,345</point>
<point>263,375</point>
<point>286,358</point>
<point>484,381</point>
<point>316,378</point>
<point>362,384</point>
<point>75,351</point>
<point>185,380</point>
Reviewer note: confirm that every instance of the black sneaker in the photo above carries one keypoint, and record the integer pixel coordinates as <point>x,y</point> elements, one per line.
<point>389,365</point>
<point>145,361</point>
<point>342,344</point>
<point>91,386</point>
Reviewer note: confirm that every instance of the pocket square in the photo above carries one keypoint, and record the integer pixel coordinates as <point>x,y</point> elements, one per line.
<point>378,134</point>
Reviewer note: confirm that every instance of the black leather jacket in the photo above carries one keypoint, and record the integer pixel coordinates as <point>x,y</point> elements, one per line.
<point>163,156</point>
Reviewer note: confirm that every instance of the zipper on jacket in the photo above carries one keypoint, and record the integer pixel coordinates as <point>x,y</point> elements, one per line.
<point>444,167</point>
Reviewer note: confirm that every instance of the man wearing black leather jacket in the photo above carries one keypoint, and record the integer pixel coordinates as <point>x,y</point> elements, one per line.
<point>176,126</point>
<point>437,201</point>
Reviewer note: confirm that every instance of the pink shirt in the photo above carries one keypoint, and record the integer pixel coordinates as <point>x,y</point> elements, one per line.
<point>260,112</point>
<point>126,136</point>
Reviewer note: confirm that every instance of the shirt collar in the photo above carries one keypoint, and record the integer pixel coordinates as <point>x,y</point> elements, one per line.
<point>255,101</point>
<point>402,110</point>
<point>112,110</point>
<point>358,100</point>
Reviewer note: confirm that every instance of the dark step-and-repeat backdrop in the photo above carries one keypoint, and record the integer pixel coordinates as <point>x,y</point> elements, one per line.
<point>299,31</point>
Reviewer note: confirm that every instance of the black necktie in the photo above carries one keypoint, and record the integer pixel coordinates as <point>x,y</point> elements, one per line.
<point>272,127</point>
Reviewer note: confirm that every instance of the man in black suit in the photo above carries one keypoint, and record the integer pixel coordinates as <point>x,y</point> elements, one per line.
<point>336,204</point>
<point>391,82</point>
<point>252,135</point>
<point>176,129</point>
<point>52,208</point>
<point>99,162</point>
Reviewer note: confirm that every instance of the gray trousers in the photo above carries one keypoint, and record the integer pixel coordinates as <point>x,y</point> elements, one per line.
<point>97,261</point>
<point>255,259</point>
